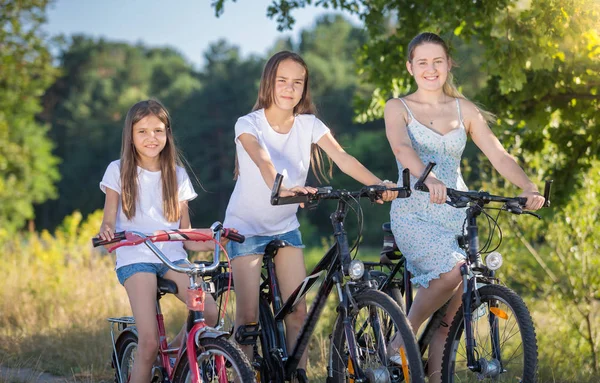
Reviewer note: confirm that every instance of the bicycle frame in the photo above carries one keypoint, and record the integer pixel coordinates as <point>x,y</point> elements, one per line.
<point>336,258</point>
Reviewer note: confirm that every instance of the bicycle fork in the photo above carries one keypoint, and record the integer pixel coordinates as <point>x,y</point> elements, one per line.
<point>482,366</point>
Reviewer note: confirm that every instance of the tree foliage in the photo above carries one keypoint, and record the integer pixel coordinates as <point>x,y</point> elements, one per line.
<point>27,167</point>
<point>539,67</point>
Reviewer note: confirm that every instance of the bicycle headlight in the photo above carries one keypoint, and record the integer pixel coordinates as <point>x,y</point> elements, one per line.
<point>493,260</point>
<point>356,269</point>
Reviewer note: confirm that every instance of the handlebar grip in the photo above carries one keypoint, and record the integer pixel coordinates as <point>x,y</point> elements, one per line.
<point>419,185</point>
<point>547,190</point>
<point>119,236</point>
<point>232,235</point>
<point>276,188</point>
<point>299,198</point>
<point>406,179</point>
<point>522,201</point>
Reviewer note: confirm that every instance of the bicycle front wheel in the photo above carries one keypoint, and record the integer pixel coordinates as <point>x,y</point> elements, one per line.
<point>375,320</point>
<point>504,337</point>
<point>219,360</point>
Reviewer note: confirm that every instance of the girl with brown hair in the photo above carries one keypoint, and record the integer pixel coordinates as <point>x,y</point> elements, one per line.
<point>148,190</point>
<point>278,137</point>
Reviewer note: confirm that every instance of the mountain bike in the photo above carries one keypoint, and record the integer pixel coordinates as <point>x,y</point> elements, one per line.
<point>366,321</point>
<point>492,336</point>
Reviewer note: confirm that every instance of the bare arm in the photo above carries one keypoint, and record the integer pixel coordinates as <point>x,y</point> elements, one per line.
<point>350,165</point>
<point>262,160</point>
<point>185,223</point>
<point>503,162</point>
<point>109,218</point>
<point>396,116</point>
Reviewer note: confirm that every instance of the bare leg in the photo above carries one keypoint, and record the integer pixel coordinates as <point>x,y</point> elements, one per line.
<point>426,302</point>
<point>246,279</point>
<point>141,289</point>
<point>436,347</point>
<point>290,268</point>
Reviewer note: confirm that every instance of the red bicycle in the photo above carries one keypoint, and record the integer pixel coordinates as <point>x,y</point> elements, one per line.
<point>207,355</point>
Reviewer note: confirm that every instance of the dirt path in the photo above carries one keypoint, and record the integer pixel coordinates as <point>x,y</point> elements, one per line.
<point>27,375</point>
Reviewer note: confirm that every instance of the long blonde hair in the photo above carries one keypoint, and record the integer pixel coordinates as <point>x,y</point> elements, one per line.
<point>169,159</point>
<point>266,94</point>
<point>449,87</point>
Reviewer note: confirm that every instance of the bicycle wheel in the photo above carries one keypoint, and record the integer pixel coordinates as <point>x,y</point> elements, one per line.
<point>375,320</point>
<point>126,347</point>
<point>505,341</point>
<point>219,360</point>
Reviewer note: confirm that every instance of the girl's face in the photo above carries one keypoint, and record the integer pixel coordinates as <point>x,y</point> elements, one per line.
<point>289,84</point>
<point>149,138</point>
<point>429,66</point>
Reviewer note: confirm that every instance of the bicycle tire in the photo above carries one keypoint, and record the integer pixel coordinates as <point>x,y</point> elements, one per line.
<point>505,302</point>
<point>341,368</point>
<point>126,345</point>
<point>235,359</point>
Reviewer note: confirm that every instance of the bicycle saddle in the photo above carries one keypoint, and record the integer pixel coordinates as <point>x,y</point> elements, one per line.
<point>166,286</point>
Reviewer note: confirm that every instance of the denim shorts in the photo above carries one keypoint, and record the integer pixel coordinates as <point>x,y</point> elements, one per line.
<point>257,244</point>
<point>160,269</point>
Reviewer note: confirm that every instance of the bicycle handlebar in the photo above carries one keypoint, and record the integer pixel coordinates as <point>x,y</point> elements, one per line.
<point>373,192</point>
<point>462,197</point>
<point>133,238</point>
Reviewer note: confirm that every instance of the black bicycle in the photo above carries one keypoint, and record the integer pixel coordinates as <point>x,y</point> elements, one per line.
<point>492,336</point>
<point>367,319</point>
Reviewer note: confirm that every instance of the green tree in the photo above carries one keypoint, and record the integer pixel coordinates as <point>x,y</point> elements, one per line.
<point>540,62</point>
<point>28,170</point>
<point>86,107</point>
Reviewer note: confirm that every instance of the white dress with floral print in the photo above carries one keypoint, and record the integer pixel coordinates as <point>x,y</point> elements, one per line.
<point>426,232</point>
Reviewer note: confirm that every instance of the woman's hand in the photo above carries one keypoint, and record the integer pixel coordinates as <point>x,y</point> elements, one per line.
<point>437,190</point>
<point>534,199</point>
<point>388,195</point>
<point>283,192</point>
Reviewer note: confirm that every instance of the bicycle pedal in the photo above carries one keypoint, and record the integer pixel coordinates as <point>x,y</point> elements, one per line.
<point>247,334</point>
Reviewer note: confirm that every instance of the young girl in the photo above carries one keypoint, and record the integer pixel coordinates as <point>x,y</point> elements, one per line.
<point>278,137</point>
<point>148,190</point>
<point>431,125</point>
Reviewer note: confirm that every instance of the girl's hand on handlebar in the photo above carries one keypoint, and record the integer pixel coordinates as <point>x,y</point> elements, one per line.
<point>534,199</point>
<point>107,233</point>
<point>437,190</point>
<point>388,195</point>
<point>284,192</point>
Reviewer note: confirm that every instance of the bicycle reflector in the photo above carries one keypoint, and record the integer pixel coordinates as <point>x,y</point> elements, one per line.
<point>493,260</point>
<point>356,269</point>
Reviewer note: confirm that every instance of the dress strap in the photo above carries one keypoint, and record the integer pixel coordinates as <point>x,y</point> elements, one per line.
<point>407,109</point>
<point>459,112</point>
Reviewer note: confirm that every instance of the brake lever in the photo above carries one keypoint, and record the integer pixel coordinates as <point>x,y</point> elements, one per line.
<point>532,213</point>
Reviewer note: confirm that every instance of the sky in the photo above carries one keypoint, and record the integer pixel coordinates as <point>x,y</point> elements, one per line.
<point>186,25</point>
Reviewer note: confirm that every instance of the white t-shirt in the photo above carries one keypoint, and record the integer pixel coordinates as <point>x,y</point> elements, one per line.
<point>250,210</point>
<point>148,215</point>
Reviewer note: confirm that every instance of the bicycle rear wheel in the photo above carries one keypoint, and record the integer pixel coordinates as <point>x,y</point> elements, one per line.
<point>505,340</point>
<point>375,321</point>
<point>219,360</point>
<point>126,347</point>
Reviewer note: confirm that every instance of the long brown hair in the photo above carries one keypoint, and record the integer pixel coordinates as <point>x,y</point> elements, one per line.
<point>169,160</point>
<point>449,87</point>
<point>266,98</point>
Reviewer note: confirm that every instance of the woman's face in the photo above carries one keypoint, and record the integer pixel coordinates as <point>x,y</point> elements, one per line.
<point>289,84</point>
<point>429,66</point>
